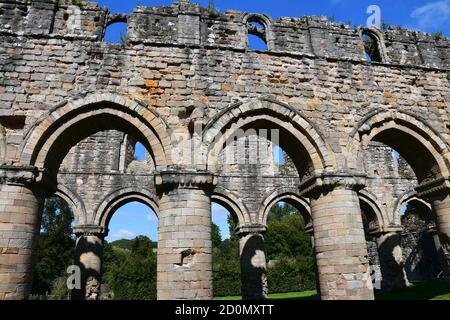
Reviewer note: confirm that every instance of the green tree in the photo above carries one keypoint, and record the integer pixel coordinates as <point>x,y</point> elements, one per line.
<point>289,248</point>
<point>215,235</point>
<point>55,245</point>
<point>131,273</point>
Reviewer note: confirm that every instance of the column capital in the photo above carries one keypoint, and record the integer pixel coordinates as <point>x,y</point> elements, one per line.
<point>242,231</point>
<point>385,230</point>
<point>18,175</point>
<point>90,230</point>
<point>434,188</point>
<point>185,180</point>
<point>328,181</point>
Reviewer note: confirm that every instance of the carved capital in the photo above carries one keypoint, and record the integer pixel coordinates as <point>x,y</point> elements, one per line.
<point>434,188</point>
<point>90,230</point>
<point>185,180</point>
<point>18,175</point>
<point>243,231</point>
<point>324,182</point>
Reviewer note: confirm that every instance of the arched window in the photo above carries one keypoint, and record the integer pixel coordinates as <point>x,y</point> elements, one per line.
<point>140,153</point>
<point>371,47</point>
<point>116,33</point>
<point>257,34</point>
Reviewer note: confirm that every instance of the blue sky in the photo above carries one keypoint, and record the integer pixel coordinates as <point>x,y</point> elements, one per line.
<point>425,15</point>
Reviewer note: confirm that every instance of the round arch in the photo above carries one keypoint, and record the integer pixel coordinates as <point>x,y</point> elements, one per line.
<point>51,137</point>
<point>231,202</point>
<point>264,20</point>
<point>380,40</point>
<point>118,198</point>
<point>74,202</point>
<point>405,199</point>
<point>288,195</point>
<point>274,114</point>
<point>408,135</point>
<point>371,201</point>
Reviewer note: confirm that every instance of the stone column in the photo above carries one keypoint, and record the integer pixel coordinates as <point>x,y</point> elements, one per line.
<point>340,244</point>
<point>19,224</point>
<point>438,193</point>
<point>253,263</point>
<point>441,256</point>
<point>184,236</point>
<point>89,258</point>
<point>441,206</point>
<point>391,260</point>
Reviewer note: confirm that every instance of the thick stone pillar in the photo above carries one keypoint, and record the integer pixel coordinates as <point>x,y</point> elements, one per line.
<point>89,258</point>
<point>184,236</point>
<point>339,238</point>
<point>391,261</point>
<point>438,193</point>
<point>19,224</point>
<point>441,206</point>
<point>253,264</point>
<point>445,266</point>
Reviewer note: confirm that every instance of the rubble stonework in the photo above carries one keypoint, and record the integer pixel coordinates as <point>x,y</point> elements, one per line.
<point>73,107</point>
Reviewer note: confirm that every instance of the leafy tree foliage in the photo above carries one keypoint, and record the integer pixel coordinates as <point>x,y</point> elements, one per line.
<point>285,235</point>
<point>55,246</point>
<point>215,235</point>
<point>289,249</point>
<point>131,273</point>
<point>226,265</point>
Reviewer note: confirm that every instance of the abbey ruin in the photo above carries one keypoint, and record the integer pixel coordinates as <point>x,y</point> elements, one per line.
<point>73,107</point>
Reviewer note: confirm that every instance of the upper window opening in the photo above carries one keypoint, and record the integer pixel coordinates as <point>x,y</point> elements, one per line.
<point>278,155</point>
<point>371,47</point>
<point>140,153</point>
<point>116,33</point>
<point>257,36</point>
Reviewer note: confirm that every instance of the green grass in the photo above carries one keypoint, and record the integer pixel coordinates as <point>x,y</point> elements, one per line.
<point>306,295</point>
<point>433,290</point>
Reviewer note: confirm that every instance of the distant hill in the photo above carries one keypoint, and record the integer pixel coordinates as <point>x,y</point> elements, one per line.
<point>126,244</point>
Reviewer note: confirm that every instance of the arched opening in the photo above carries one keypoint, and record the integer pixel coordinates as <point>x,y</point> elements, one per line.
<point>371,47</point>
<point>419,241</point>
<point>398,157</point>
<point>291,267</point>
<point>116,33</point>
<point>129,259</point>
<point>257,34</point>
<point>140,153</point>
<point>226,260</point>
<point>371,231</point>
<point>54,251</point>
<point>80,150</point>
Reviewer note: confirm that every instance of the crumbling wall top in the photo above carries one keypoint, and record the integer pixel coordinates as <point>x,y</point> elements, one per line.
<point>184,23</point>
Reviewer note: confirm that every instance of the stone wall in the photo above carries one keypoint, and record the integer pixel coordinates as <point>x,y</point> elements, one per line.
<point>186,72</point>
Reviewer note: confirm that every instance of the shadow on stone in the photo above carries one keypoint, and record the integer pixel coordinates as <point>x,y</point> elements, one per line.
<point>253,269</point>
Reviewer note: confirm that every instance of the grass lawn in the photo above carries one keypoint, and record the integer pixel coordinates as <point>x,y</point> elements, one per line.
<point>306,295</point>
<point>433,290</point>
<point>418,291</point>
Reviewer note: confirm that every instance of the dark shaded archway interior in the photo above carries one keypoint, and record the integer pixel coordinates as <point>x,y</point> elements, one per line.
<point>282,138</point>
<point>81,130</point>
<point>418,157</point>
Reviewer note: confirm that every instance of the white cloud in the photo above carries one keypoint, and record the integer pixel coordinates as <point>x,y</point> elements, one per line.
<point>123,234</point>
<point>433,15</point>
<point>151,217</point>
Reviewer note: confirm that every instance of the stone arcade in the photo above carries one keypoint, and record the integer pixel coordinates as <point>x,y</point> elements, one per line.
<point>72,108</point>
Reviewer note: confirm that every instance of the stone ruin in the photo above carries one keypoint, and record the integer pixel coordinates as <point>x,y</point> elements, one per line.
<point>209,111</point>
